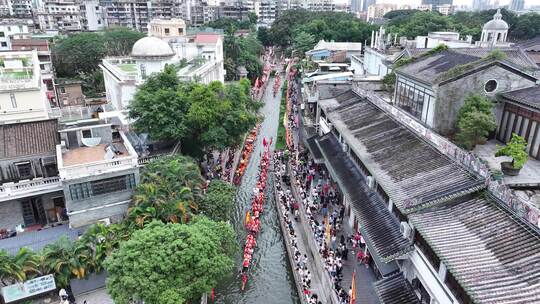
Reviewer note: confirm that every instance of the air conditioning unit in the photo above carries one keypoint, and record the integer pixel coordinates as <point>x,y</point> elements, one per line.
<point>105,221</point>
<point>406,230</point>
<point>371,182</point>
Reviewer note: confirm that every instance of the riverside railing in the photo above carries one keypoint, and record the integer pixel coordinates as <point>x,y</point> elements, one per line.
<point>469,160</point>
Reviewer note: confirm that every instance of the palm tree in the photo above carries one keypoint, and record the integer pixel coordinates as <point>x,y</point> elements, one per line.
<point>64,259</point>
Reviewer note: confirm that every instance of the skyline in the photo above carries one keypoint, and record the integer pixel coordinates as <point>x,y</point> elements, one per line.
<point>456,2</point>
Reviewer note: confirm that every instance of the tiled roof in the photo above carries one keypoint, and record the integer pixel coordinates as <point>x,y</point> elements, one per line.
<point>395,290</point>
<point>379,226</point>
<point>314,149</point>
<point>532,44</point>
<point>527,96</point>
<point>493,256</point>
<point>207,38</point>
<point>411,171</point>
<point>432,68</point>
<point>29,138</point>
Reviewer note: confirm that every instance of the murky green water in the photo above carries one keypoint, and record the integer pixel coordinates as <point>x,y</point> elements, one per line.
<point>270,278</point>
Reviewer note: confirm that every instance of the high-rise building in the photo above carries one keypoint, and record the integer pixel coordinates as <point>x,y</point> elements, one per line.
<point>480,5</point>
<point>517,5</point>
<point>437,2</point>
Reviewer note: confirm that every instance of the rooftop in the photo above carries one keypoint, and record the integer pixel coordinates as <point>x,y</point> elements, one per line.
<point>490,252</point>
<point>395,289</point>
<point>432,69</point>
<point>527,96</point>
<point>84,155</point>
<point>207,38</point>
<point>338,46</point>
<point>411,171</point>
<point>380,228</point>
<point>30,138</point>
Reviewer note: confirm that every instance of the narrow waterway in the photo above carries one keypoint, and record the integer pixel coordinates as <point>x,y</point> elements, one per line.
<point>270,277</point>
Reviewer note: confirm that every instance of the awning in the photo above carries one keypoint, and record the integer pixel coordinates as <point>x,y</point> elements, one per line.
<point>378,226</point>
<point>395,289</point>
<point>314,149</point>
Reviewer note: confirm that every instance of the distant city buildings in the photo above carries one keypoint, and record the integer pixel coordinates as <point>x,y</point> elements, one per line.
<point>377,11</point>
<point>517,5</point>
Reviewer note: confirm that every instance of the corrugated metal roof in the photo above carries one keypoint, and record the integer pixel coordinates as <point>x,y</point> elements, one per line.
<point>493,256</point>
<point>411,171</point>
<point>29,138</point>
<point>395,290</point>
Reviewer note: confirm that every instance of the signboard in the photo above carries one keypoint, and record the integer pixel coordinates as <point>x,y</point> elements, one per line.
<point>29,288</point>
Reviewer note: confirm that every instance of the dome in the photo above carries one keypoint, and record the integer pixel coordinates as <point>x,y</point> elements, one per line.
<point>497,24</point>
<point>151,47</point>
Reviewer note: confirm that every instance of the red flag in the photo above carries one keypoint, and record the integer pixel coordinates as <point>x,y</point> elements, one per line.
<point>212,295</point>
<point>270,140</point>
<point>264,141</point>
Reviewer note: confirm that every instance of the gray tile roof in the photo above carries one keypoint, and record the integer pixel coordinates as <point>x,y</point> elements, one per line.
<point>379,227</point>
<point>29,138</point>
<point>411,171</point>
<point>432,68</point>
<point>527,96</point>
<point>493,256</point>
<point>395,290</point>
<point>314,149</point>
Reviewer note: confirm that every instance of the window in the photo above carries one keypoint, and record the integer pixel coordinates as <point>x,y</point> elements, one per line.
<point>4,44</point>
<point>25,170</point>
<point>180,31</point>
<point>103,186</point>
<point>167,31</point>
<point>490,86</point>
<point>13,100</point>
<point>62,90</point>
<point>143,71</point>
<point>2,34</point>
<point>86,133</point>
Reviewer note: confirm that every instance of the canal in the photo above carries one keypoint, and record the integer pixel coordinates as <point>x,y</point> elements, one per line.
<point>270,278</point>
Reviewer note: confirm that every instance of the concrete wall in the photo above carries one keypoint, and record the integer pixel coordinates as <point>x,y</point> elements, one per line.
<point>9,171</point>
<point>89,210</point>
<point>11,211</point>
<point>29,104</point>
<point>450,97</point>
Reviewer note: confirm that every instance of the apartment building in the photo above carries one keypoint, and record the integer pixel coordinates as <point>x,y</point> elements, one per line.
<point>11,29</point>
<point>59,15</point>
<point>92,15</point>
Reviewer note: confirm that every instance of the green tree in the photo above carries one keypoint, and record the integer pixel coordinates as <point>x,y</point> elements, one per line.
<point>170,190</point>
<point>475,121</point>
<point>303,42</point>
<point>78,53</point>
<point>171,263</point>
<point>119,41</point>
<point>20,267</point>
<point>218,203</point>
<point>264,36</point>
<point>65,260</point>
<point>203,117</point>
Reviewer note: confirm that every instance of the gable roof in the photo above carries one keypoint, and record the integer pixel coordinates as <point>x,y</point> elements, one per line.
<point>395,289</point>
<point>411,171</point>
<point>433,69</point>
<point>29,138</point>
<point>490,252</point>
<point>527,96</point>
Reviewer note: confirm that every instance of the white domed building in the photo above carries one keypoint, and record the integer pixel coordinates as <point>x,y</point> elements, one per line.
<point>494,32</point>
<point>203,53</point>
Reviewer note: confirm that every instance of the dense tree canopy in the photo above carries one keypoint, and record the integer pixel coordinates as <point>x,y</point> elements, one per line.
<point>242,51</point>
<point>203,117</point>
<point>79,55</point>
<point>475,121</point>
<point>412,23</point>
<point>171,263</point>
<point>218,203</point>
<point>321,25</point>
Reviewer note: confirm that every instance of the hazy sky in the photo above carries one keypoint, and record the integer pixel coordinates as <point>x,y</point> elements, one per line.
<point>456,2</point>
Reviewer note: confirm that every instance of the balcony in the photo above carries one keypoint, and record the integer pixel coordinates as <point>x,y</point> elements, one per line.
<point>90,161</point>
<point>36,186</point>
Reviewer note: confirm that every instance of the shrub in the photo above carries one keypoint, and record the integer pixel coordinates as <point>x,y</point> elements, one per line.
<point>475,121</point>
<point>516,149</point>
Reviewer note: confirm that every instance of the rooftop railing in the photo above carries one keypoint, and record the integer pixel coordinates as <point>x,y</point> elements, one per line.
<point>21,188</point>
